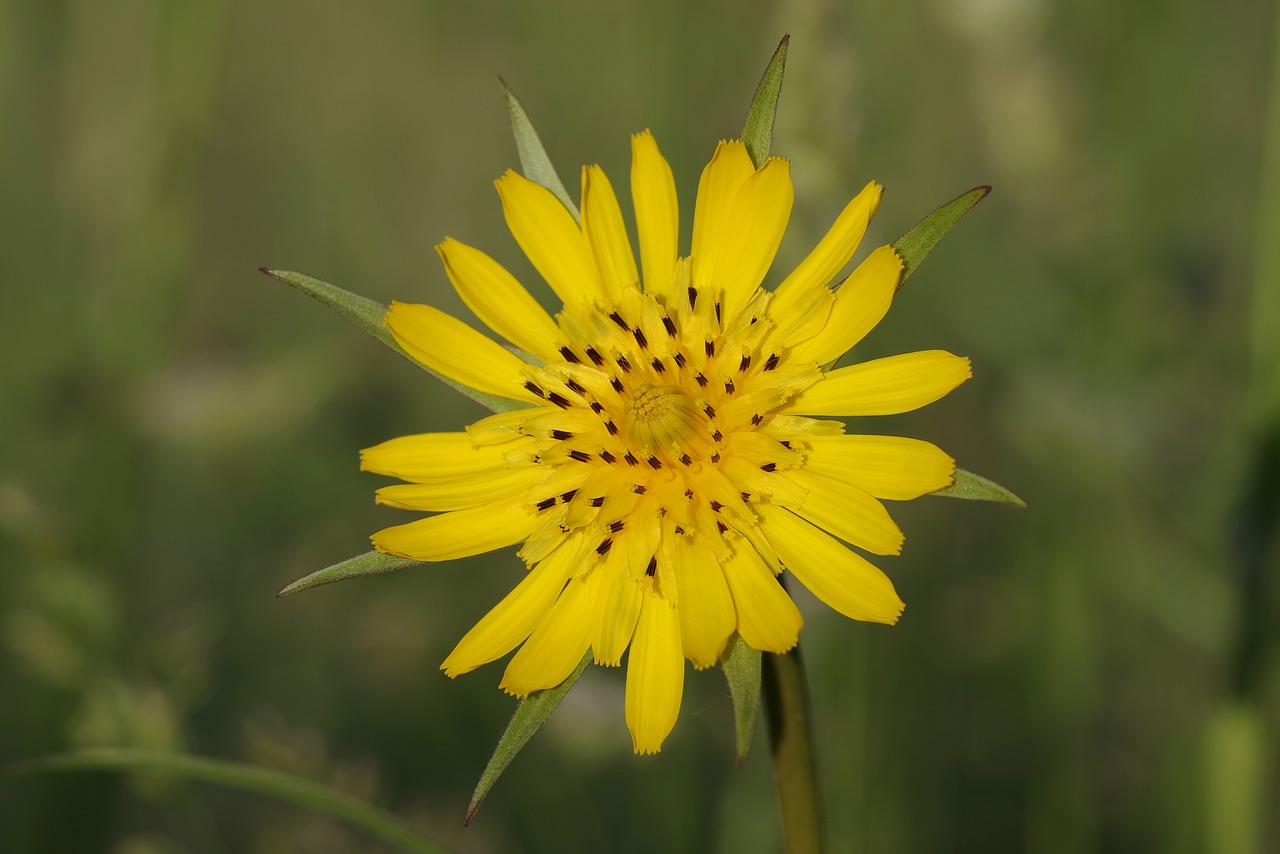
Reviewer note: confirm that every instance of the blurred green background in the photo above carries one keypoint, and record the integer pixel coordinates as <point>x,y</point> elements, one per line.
<point>1096,674</point>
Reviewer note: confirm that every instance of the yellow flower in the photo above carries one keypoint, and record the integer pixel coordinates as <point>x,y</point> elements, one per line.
<point>667,465</point>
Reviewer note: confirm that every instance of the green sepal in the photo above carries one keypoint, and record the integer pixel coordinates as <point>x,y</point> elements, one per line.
<point>369,315</point>
<point>741,665</point>
<point>757,131</point>
<point>237,775</point>
<point>916,244</point>
<point>369,563</point>
<point>530,714</point>
<point>534,162</point>
<point>976,488</point>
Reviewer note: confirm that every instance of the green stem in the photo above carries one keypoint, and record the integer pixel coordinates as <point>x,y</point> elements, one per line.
<point>791,743</point>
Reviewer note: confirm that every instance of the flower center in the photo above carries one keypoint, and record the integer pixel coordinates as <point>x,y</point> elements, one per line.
<point>661,419</point>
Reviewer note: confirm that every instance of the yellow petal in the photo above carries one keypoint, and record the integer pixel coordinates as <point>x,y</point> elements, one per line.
<point>498,299</point>
<point>759,215</point>
<point>435,456</point>
<point>832,572</point>
<point>607,234</point>
<point>706,610</point>
<point>451,347</point>
<point>848,512</point>
<point>512,619</point>
<point>655,675</point>
<point>885,466</point>
<point>653,192</point>
<point>557,644</point>
<point>461,533</point>
<point>549,236</point>
<point>861,303</point>
<point>835,249</point>
<point>767,618</point>
<point>462,492</point>
<point>884,386</point>
<point>730,166</point>
<point>617,606</point>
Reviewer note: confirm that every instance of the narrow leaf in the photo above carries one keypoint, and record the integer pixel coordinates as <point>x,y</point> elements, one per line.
<point>975,488</point>
<point>757,131</point>
<point>369,563</point>
<point>741,665</point>
<point>916,244</point>
<point>532,712</point>
<point>534,161</point>
<point>262,781</point>
<point>368,315</point>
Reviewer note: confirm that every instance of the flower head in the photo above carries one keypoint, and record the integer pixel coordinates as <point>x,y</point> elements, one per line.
<point>674,449</point>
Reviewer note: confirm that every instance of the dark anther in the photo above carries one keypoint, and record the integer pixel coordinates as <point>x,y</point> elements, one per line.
<point>638,489</point>
<point>595,356</point>
<point>679,359</point>
<point>718,320</point>
<point>580,456</point>
<point>569,355</point>
<point>605,545</point>
<point>679,530</point>
<point>597,502</point>
<point>769,467</point>
<point>608,457</point>
<point>617,318</point>
<point>755,318</point>
<point>717,436</point>
<point>746,496</point>
<point>658,366</point>
<point>669,325</point>
<point>688,493</point>
<point>709,409</point>
<point>547,503</point>
<point>561,434</point>
<point>715,457</point>
<point>728,386</point>
<point>745,363</point>
<point>710,348</point>
<point>566,497</point>
<point>693,296</point>
<point>615,527</point>
<point>574,386</point>
<point>686,459</point>
<point>631,459</point>
<point>757,418</point>
<point>596,407</point>
<point>624,364</point>
<point>559,400</point>
<point>771,363</point>
<point>716,505</point>
<point>786,443</point>
<point>702,381</point>
<point>611,427</point>
<point>654,462</point>
<point>652,568</point>
<point>640,339</point>
<point>721,526</point>
<point>534,388</point>
<point>617,385</point>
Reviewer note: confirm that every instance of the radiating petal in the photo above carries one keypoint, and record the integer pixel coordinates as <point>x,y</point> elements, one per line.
<point>462,492</point>
<point>548,234</point>
<point>557,644</point>
<point>730,166</point>
<point>451,347</point>
<point>848,512</point>
<point>655,675</point>
<point>767,618</point>
<point>436,456</point>
<point>461,533</point>
<point>832,572</point>
<point>498,299</point>
<point>885,466</point>
<point>836,248</point>
<point>759,217</point>
<point>706,610</point>
<point>617,606</point>
<point>512,619</point>
<point>884,386</point>
<point>653,192</point>
<point>861,303</point>
<point>607,233</point>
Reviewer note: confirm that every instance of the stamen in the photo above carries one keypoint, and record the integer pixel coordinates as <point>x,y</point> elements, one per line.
<point>693,296</point>
<point>617,318</point>
<point>756,419</point>
<point>769,467</point>
<point>569,355</point>
<point>566,497</point>
<point>716,505</point>
<point>745,363</point>
<point>771,362</point>
<point>561,434</point>
<point>710,347</point>
<point>679,359</point>
<point>624,364</point>
<point>617,385</point>
<point>559,400</point>
<point>611,427</point>
<point>669,325</point>
<point>608,457</point>
<point>728,386</point>
<point>594,356</point>
<point>652,568</point>
<point>631,459</point>
<point>546,503</point>
<point>615,527</point>
<point>597,502</point>
<point>654,462</point>
<point>605,545</point>
<point>580,456</point>
<point>658,366</point>
<point>574,386</point>
<point>702,381</point>
<point>640,339</point>
<point>533,387</point>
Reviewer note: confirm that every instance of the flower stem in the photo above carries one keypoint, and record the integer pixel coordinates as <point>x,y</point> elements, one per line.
<point>791,744</point>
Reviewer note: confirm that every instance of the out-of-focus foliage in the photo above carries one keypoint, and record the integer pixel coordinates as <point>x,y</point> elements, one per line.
<point>180,432</point>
